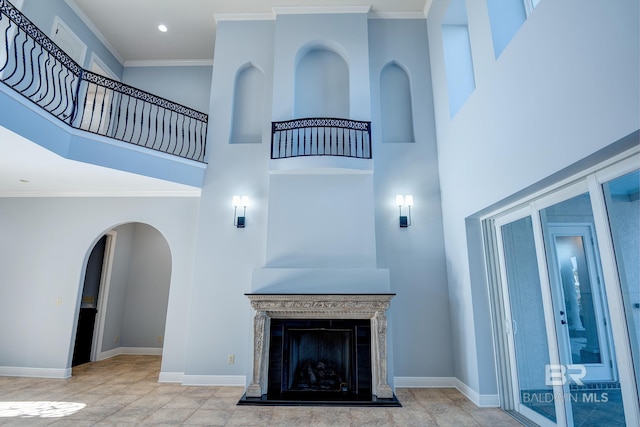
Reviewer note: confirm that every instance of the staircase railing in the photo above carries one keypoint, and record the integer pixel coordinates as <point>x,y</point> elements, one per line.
<point>321,137</point>
<point>32,65</point>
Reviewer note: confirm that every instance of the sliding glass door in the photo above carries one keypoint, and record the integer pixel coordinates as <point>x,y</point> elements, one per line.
<point>528,341</point>
<point>570,295</point>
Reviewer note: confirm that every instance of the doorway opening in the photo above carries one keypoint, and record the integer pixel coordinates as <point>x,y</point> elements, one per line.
<point>123,299</point>
<point>95,280</point>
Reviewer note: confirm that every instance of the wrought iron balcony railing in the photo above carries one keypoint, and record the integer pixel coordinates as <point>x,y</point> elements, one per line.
<point>321,137</point>
<point>32,65</point>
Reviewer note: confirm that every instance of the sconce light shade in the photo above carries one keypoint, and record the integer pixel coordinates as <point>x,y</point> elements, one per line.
<point>405,220</point>
<point>239,221</point>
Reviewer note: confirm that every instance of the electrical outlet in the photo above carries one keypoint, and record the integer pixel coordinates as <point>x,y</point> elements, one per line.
<point>116,339</point>
<point>231,359</point>
<point>160,339</point>
<point>59,302</point>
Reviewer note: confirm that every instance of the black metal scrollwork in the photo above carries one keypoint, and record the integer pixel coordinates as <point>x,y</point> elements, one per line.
<point>321,136</point>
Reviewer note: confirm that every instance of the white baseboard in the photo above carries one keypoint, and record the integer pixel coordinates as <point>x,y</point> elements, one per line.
<point>424,382</point>
<point>170,377</point>
<point>146,351</point>
<point>480,400</point>
<point>15,371</point>
<point>215,380</point>
<point>108,354</point>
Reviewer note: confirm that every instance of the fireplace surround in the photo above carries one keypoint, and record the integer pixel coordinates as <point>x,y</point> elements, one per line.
<point>320,349</point>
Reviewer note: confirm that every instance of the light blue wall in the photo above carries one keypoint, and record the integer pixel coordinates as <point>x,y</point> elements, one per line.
<point>248,104</point>
<point>566,88</point>
<point>139,288</point>
<point>396,105</point>
<point>46,244</point>
<point>145,307</point>
<point>117,296</point>
<point>43,12</point>
<point>186,85</point>
<point>415,255</point>
<point>220,316</point>
<point>345,34</point>
<point>322,85</point>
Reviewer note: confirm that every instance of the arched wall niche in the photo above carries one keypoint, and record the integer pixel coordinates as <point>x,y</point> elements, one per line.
<point>322,81</point>
<point>248,103</point>
<point>396,104</point>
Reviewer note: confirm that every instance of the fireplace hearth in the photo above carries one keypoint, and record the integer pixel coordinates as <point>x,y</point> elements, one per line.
<point>314,349</point>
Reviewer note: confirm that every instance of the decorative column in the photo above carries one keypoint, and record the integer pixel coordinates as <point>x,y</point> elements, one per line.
<point>258,385</point>
<point>379,334</point>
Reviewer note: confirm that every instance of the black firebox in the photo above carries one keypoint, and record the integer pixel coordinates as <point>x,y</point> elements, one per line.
<point>320,360</point>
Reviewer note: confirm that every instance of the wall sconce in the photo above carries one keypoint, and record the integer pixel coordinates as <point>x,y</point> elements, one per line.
<point>239,221</point>
<point>405,221</point>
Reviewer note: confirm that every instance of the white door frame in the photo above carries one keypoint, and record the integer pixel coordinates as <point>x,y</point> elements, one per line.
<point>511,326</point>
<point>58,23</point>
<point>103,296</point>
<point>605,370</point>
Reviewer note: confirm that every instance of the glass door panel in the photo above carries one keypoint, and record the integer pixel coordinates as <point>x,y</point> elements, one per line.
<point>529,345</point>
<point>588,370</point>
<point>623,208</point>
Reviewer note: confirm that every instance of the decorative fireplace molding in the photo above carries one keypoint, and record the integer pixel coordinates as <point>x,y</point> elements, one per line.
<point>320,306</point>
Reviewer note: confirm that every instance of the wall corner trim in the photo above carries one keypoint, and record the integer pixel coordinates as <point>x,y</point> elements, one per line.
<point>170,377</point>
<point>480,400</point>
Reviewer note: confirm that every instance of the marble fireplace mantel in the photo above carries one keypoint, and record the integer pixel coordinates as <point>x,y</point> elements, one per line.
<point>320,306</point>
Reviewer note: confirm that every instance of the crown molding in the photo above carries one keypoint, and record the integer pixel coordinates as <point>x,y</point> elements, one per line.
<point>427,7</point>
<point>298,10</point>
<point>170,63</point>
<point>85,19</point>
<point>395,15</point>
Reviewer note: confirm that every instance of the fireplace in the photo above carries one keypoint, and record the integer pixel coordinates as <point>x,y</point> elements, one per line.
<point>319,360</point>
<point>320,349</point>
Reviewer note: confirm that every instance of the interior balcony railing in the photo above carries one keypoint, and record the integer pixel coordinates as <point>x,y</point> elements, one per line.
<point>321,137</point>
<point>32,65</point>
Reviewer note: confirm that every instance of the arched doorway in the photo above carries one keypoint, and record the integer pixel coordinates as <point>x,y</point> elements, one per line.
<point>130,297</point>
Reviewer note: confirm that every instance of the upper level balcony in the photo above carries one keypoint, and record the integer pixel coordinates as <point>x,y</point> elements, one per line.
<point>332,142</point>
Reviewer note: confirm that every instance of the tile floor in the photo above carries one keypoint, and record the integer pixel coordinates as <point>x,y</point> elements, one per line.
<point>124,391</point>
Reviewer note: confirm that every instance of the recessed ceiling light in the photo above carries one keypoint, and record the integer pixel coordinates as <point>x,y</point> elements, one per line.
<point>24,180</point>
<point>162,28</point>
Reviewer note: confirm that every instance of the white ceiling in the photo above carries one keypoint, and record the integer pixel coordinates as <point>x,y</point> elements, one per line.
<point>130,27</point>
